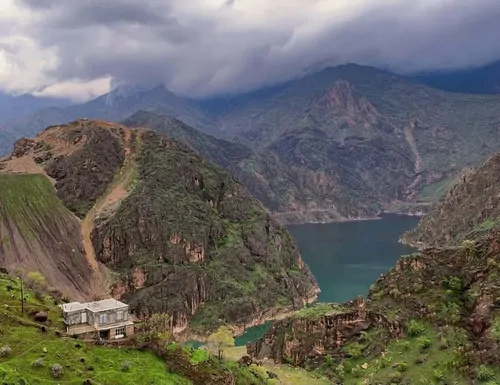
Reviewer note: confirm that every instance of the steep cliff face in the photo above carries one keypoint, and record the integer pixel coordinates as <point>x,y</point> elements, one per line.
<point>435,315</point>
<point>190,241</point>
<point>161,227</point>
<point>470,209</point>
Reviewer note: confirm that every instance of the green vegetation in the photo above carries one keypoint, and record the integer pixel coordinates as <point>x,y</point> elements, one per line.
<point>437,190</point>
<point>469,212</point>
<point>431,358</point>
<point>219,341</point>
<point>318,310</point>
<point>27,353</point>
<point>213,243</point>
<point>27,200</point>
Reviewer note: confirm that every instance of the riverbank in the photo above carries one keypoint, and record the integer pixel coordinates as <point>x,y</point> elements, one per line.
<point>327,216</point>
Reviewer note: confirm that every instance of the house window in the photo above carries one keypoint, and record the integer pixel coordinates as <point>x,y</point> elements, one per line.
<point>119,332</point>
<point>119,315</point>
<point>103,318</point>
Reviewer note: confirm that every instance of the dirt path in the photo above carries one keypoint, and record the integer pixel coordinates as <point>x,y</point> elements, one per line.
<point>118,191</point>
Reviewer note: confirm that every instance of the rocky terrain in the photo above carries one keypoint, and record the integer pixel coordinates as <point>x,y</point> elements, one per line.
<point>347,142</point>
<point>153,223</point>
<point>470,209</point>
<point>290,192</point>
<point>434,318</point>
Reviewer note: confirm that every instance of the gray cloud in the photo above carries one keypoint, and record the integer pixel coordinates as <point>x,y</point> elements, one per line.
<point>227,48</point>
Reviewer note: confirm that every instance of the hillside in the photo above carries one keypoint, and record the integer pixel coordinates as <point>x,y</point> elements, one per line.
<point>114,106</point>
<point>291,193</point>
<point>470,209</point>
<point>433,319</point>
<point>383,137</point>
<point>480,80</point>
<point>27,354</point>
<point>37,233</point>
<point>163,228</point>
<point>347,142</point>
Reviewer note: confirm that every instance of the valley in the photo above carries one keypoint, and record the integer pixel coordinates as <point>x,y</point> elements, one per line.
<point>231,192</point>
<point>348,142</point>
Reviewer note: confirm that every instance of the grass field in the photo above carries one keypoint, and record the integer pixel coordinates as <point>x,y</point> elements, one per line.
<point>33,353</point>
<point>287,375</point>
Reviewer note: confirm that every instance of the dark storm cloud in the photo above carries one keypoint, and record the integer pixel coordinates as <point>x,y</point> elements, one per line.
<point>198,53</point>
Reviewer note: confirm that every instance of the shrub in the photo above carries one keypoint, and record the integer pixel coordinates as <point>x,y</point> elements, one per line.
<point>402,367</point>
<point>404,345</point>
<point>415,328</point>
<point>438,375</point>
<point>56,370</point>
<point>126,366</point>
<point>37,363</point>
<point>5,351</point>
<point>483,373</point>
<point>354,350</point>
<point>424,343</point>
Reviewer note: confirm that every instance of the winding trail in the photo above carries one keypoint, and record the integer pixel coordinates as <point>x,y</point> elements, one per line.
<point>118,190</point>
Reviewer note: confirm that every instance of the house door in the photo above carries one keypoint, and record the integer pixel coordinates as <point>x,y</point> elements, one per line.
<point>84,318</point>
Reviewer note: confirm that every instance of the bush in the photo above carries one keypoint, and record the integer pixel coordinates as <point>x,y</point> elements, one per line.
<point>438,375</point>
<point>402,367</point>
<point>484,373</point>
<point>415,328</point>
<point>5,351</point>
<point>424,343</point>
<point>404,345</point>
<point>56,370</point>
<point>126,366</point>
<point>354,350</point>
<point>37,363</point>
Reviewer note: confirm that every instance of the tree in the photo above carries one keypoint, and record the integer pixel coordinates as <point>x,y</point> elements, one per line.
<point>219,341</point>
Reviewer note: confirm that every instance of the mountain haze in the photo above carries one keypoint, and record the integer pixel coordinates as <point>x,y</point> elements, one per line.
<point>347,142</point>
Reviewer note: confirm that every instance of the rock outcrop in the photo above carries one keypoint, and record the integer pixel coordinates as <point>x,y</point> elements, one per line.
<point>161,228</point>
<point>439,306</point>
<point>470,209</point>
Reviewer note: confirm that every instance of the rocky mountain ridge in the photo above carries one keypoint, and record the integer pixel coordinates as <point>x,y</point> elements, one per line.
<point>369,140</point>
<point>161,228</point>
<point>469,210</point>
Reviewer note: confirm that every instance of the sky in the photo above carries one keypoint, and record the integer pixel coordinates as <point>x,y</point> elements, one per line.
<point>81,48</point>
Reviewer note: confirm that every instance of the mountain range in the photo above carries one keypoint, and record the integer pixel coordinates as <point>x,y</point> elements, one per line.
<point>347,142</point>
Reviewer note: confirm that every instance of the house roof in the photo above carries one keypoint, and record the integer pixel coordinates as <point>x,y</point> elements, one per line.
<point>96,306</point>
<point>73,306</point>
<point>105,304</point>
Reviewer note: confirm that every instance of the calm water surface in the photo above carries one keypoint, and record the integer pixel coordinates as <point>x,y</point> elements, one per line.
<point>347,257</point>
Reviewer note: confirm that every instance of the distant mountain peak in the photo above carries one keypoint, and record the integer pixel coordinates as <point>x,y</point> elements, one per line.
<point>124,91</point>
<point>342,98</point>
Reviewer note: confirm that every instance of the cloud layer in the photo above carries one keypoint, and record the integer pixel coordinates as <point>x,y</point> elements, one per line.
<point>206,47</point>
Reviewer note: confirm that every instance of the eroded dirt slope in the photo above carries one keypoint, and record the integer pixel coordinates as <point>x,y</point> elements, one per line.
<point>85,169</point>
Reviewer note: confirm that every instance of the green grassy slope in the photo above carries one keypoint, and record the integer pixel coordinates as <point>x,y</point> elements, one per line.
<point>32,353</point>
<point>38,233</point>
